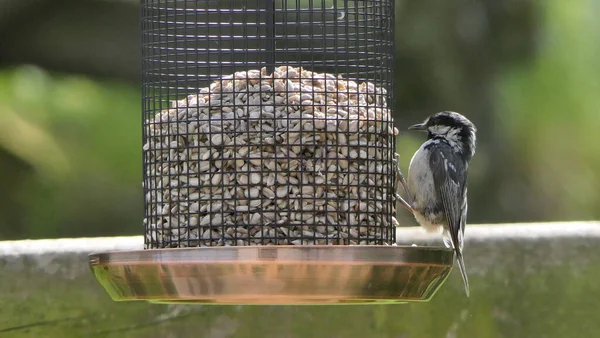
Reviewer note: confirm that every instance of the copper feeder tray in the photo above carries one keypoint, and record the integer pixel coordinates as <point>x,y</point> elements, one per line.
<point>271,275</point>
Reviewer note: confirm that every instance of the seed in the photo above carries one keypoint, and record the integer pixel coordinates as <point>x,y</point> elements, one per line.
<point>282,191</point>
<point>253,192</point>
<point>268,192</point>
<point>255,178</point>
<point>242,178</point>
<point>286,150</point>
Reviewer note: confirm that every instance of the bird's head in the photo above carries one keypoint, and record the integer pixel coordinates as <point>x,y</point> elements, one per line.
<point>451,126</point>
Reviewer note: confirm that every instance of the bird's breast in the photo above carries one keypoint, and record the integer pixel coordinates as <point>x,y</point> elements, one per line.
<point>420,179</point>
<point>422,188</point>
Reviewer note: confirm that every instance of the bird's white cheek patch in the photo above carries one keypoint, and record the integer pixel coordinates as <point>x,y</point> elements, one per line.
<point>439,130</point>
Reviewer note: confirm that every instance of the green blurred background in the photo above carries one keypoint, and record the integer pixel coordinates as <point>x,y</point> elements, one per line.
<point>525,72</point>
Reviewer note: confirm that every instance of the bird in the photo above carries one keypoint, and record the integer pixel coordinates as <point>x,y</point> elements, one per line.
<point>437,179</point>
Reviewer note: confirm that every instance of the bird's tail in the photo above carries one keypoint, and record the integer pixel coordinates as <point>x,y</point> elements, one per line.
<point>463,270</point>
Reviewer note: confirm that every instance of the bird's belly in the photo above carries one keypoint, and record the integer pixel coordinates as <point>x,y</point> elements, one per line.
<point>425,201</point>
<point>420,181</point>
<point>426,222</point>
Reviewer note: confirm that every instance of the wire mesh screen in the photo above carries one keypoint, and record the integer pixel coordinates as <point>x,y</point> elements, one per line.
<point>268,122</point>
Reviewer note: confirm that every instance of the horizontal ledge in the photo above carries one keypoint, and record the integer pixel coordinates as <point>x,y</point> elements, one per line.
<point>508,231</point>
<point>81,245</point>
<point>405,235</point>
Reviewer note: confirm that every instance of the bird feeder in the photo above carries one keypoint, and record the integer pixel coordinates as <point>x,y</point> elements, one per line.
<point>270,172</point>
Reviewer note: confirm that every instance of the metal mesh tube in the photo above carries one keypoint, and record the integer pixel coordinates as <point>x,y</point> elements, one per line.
<point>268,122</point>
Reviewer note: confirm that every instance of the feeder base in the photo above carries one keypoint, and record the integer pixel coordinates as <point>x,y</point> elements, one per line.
<point>275,275</point>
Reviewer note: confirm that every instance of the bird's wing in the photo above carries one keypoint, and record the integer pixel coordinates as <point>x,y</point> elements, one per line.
<point>449,178</point>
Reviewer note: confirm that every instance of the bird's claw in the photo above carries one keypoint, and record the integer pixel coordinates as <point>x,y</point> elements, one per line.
<point>404,203</point>
<point>400,179</point>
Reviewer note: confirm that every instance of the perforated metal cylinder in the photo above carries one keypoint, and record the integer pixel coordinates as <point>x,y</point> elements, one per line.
<point>268,122</point>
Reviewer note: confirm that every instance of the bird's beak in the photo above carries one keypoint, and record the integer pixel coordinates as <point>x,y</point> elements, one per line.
<point>420,126</point>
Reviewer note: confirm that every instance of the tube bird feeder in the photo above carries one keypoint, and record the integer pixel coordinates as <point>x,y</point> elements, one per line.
<point>270,170</point>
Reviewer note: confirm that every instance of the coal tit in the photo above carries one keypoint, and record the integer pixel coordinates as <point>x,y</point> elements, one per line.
<point>437,179</point>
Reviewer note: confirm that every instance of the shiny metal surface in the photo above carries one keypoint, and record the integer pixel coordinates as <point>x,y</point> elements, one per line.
<point>274,274</point>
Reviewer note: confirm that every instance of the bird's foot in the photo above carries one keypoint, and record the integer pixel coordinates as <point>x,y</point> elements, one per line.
<point>400,179</point>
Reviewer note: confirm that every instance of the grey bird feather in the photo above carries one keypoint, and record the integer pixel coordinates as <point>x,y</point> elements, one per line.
<point>451,187</point>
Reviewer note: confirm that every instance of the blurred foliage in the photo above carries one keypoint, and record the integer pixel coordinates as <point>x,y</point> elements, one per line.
<point>70,145</point>
<point>71,155</point>
<point>548,116</point>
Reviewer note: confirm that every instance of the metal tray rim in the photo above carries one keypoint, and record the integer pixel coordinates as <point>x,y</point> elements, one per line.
<point>275,275</point>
